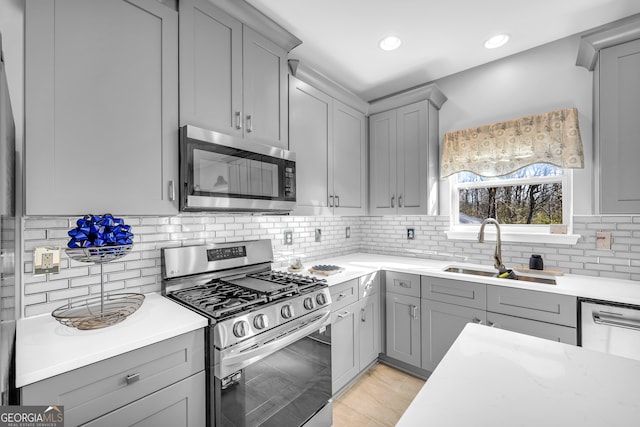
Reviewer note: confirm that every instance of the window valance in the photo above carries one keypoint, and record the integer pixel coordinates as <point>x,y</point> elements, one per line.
<point>503,148</point>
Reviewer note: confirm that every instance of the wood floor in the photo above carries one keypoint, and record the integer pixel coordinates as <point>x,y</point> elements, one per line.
<point>378,398</point>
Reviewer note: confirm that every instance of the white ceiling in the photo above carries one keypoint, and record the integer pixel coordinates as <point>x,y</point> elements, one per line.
<point>439,37</point>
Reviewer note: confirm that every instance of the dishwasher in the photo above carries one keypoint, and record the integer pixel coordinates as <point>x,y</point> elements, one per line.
<point>610,327</point>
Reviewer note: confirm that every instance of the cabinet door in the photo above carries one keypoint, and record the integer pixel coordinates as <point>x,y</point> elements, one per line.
<point>102,107</point>
<point>534,328</point>
<point>441,325</point>
<point>382,171</point>
<point>369,330</point>
<point>619,150</point>
<point>210,68</point>
<point>345,353</point>
<point>179,405</point>
<point>348,160</point>
<point>412,158</point>
<point>403,328</point>
<point>310,138</point>
<point>264,69</point>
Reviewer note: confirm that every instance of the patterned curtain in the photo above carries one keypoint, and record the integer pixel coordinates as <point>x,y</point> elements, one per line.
<point>503,148</point>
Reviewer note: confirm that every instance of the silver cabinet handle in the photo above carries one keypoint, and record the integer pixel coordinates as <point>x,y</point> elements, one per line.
<point>249,123</point>
<point>368,286</point>
<point>490,324</point>
<point>620,322</point>
<point>343,314</point>
<point>393,198</point>
<point>362,315</point>
<point>400,201</point>
<point>414,311</point>
<point>404,284</point>
<point>132,378</point>
<point>342,295</point>
<point>330,201</point>
<point>238,120</point>
<point>476,320</point>
<point>337,201</point>
<point>172,191</point>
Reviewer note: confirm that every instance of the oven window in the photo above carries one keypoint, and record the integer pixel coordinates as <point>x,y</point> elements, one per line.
<point>254,175</point>
<point>284,389</point>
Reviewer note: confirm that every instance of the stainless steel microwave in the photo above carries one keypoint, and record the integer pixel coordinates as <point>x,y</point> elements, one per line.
<point>219,172</point>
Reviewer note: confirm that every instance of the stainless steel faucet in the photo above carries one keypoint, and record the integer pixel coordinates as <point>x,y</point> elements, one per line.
<point>497,256</point>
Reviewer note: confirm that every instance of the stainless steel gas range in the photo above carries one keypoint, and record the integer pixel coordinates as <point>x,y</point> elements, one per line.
<point>268,343</point>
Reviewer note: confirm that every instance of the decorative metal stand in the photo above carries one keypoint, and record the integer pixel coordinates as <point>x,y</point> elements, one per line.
<point>98,312</point>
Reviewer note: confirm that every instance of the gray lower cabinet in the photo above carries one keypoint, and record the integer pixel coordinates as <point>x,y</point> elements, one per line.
<point>369,330</point>
<point>534,328</point>
<point>403,328</point>
<point>441,325</point>
<point>151,385</point>
<point>345,348</point>
<point>355,328</point>
<point>101,101</point>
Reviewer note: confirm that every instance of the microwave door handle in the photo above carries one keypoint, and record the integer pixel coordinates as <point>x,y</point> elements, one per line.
<point>600,318</point>
<point>234,362</point>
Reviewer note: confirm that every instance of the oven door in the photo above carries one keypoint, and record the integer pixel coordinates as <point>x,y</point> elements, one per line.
<point>220,172</point>
<point>284,379</point>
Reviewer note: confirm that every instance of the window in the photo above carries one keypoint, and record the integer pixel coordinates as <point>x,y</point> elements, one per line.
<point>525,201</point>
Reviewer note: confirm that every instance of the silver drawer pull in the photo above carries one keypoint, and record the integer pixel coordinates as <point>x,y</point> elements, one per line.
<point>476,320</point>
<point>620,322</point>
<point>368,285</point>
<point>343,314</point>
<point>132,378</point>
<point>342,295</point>
<point>403,284</point>
<point>490,324</point>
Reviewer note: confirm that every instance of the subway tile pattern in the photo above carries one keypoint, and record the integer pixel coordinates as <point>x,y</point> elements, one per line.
<point>141,270</point>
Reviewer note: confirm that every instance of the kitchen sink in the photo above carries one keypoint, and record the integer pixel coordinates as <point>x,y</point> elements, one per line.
<point>486,273</point>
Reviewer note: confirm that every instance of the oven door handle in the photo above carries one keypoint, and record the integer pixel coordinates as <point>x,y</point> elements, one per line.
<point>237,359</point>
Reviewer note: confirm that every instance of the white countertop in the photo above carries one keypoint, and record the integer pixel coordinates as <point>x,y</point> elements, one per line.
<point>602,288</point>
<point>492,377</point>
<point>45,348</point>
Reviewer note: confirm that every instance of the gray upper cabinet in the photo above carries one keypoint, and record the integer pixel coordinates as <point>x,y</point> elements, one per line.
<point>403,165</point>
<point>210,68</point>
<point>619,109</point>
<point>101,107</point>
<point>329,140</point>
<point>232,78</point>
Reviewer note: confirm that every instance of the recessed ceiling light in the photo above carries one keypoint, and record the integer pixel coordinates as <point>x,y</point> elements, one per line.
<point>390,43</point>
<point>496,41</point>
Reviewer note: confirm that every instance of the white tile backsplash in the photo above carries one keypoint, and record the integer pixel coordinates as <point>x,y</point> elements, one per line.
<point>140,271</point>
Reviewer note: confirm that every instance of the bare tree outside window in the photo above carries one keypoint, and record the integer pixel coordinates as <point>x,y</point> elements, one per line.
<point>532,195</point>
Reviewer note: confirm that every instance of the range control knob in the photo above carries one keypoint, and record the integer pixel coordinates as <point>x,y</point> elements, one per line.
<point>287,311</point>
<point>240,328</point>
<point>261,321</point>
<point>321,299</point>
<point>308,303</point>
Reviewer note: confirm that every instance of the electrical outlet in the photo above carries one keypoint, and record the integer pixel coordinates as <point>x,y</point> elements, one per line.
<point>411,233</point>
<point>46,259</point>
<point>347,232</point>
<point>603,240</point>
<point>288,237</point>
<point>318,235</point>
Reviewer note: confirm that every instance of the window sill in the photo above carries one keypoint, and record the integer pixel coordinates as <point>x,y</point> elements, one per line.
<point>558,239</point>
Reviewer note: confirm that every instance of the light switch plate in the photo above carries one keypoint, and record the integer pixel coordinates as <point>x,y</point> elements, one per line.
<point>411,233</point>
<point>603,240</point>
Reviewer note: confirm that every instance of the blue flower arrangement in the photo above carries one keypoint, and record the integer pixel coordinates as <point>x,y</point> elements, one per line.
<point>100,230</point>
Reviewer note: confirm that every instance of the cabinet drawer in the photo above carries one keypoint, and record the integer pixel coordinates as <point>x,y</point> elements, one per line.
<point>534,328</point>
<point>102,387</point>
<point>370,284</point>
<point>543,306</point>
<point>466,294</point>
<point>403,283</point>
<point>344,294</point>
